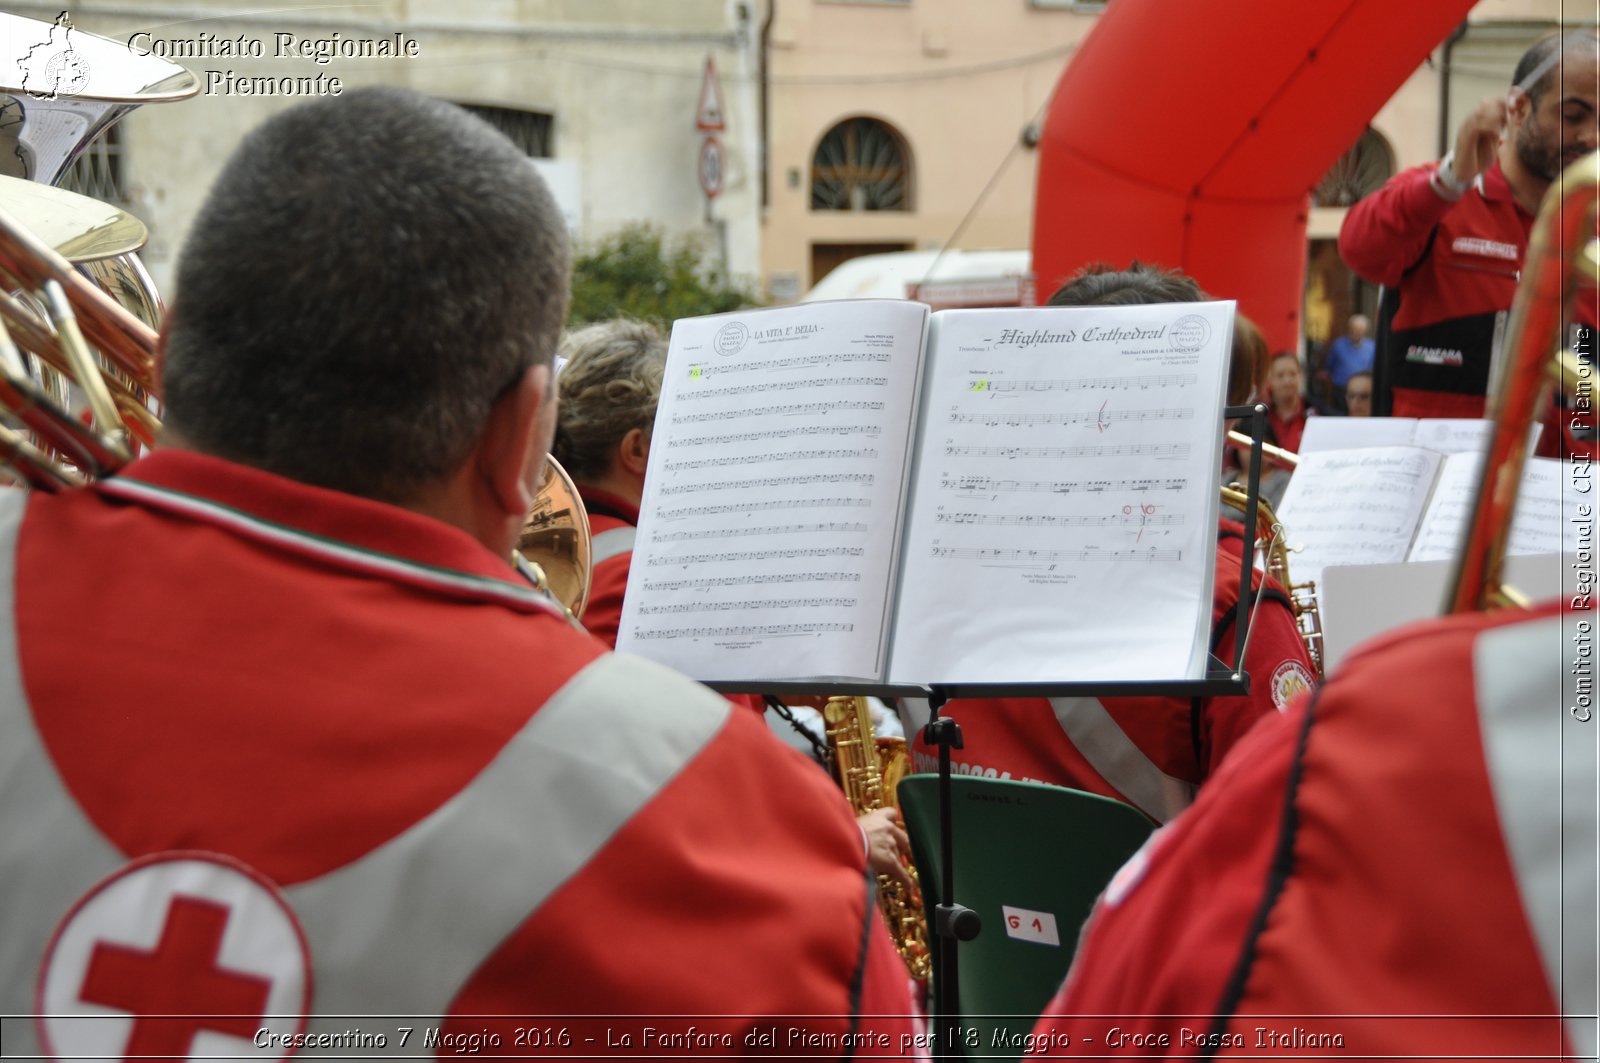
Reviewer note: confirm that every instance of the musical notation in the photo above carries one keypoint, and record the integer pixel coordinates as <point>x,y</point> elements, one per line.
<point>706,583</point>
<point>1092,417</point>
<point>777,553</point>
<point>985,484</point>
<point>682,512</point>
<point>864,479</point>
<point>821,527</point>
<point>837,454</point>
<point>748,603</point>
<point>1046,520</point>
<point>756,631</point>
<point>988,553</point>
<point>1123,450</point>
<point>736,390</point>
<point>802,409</point>
<point>1100,383</point>
<point>707,370</point>
<point>723,440</point>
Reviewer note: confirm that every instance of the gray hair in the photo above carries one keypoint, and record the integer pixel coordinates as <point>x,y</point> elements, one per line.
<point>609,386</point>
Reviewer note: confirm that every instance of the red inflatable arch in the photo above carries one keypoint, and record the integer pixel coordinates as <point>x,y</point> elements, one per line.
<point>1189,133</point>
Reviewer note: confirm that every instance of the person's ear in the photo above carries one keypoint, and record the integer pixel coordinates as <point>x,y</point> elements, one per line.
<point>515,439</point>
<point>633,452</point>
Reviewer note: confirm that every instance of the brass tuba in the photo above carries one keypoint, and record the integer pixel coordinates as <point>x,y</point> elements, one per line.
<point>1562,249</point>
<point>869,769</point>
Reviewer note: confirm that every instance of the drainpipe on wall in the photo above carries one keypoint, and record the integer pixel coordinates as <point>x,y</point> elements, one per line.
<point>761,121</point>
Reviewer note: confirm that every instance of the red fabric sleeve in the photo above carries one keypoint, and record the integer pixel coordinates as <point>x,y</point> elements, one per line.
<point>1385,233</point>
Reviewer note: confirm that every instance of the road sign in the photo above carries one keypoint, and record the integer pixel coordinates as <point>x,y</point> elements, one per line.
<point>711,167</point>
<point>708,116</point>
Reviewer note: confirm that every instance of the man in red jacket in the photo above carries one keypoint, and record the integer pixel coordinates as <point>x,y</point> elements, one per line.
<point>289,759</point>
<point>1403,866</point>
<point>1449,238</point>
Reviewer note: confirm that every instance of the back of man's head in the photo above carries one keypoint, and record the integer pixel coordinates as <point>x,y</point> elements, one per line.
<point>1139,284</point>
<point>368,275</point>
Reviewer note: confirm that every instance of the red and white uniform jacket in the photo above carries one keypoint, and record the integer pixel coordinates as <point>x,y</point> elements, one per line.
<point>1455,266</point>
<point>613,526</point>
<point>1403,866</point>
<point>276,759</point>
<point>1152,752</point>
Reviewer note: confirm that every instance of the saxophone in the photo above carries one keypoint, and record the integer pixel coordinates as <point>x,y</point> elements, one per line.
<point>869,769</point>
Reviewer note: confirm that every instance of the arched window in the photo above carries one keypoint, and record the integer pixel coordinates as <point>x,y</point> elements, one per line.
<point>1361,170</point>
<point>861,164</point>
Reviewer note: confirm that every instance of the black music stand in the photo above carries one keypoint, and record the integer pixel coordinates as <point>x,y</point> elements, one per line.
<point>952,922</point>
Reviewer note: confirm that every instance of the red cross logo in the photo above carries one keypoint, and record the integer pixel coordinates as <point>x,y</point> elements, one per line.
<point>177,955</point>
<point>179,980</point>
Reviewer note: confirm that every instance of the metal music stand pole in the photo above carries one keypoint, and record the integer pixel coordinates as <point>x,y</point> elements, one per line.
<point>952,922</point>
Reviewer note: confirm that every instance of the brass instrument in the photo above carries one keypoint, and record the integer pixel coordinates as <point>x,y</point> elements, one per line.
<point>1272,551</point>
<point>1562,248</point>
<point>555,540</point>
<point>870,768</point>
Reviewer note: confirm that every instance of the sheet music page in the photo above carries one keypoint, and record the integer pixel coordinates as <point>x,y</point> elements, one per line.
<point>1344,433</point>
<point>774,492</point>
<point>1355,507</point>
<point>1540,525</point>
<point>1064,503</point>
<point>1452,435</point>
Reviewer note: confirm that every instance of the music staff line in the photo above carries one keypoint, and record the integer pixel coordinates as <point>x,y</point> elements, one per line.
<point>755,631</point>
<point>872,430</point>
<point>837,454</point>
<point>982,484</point>
<point>706,370</point>
<point>864,479</point>
<point>735,390</point>
<point>706,583</point>
<point>988,553</point>
<point>822,527</point>
<point>835,602</point>
<point>1103,383</point>
<point>683,512</point>
<point>777,553</point>
<point>1048,520</point>
<point>1124,450</point>
<point>1028,420</point>
<point>803,409</point>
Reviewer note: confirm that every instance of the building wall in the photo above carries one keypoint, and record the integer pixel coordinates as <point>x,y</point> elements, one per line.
<point>959,80</point>
<point>621,77</point>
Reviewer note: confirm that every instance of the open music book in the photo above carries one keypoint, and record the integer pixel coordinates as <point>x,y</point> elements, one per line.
<point>862,491</point>
<point>1372,505</point>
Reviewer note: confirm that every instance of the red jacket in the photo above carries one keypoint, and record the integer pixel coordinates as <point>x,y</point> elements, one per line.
<point>362,741</point>
<point>1365,868</point>
<point>1152,752</point>
<point>1455,266</point>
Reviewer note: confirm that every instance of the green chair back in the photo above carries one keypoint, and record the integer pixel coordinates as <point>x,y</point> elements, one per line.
<point>1030,859</point>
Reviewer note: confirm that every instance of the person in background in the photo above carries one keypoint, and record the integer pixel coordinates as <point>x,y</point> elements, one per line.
<point>340,760</point>
<point>1447,239</point>
<point>1358,395</point>
<point>1286,404</point>
<point>1152,752</point>
<point>1345,356</point>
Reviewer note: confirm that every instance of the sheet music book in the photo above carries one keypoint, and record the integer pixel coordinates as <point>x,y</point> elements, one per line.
<point>1374,505</point>
<point>864,491</point>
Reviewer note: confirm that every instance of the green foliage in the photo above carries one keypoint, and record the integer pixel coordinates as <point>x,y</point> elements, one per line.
<point>638,273</point>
